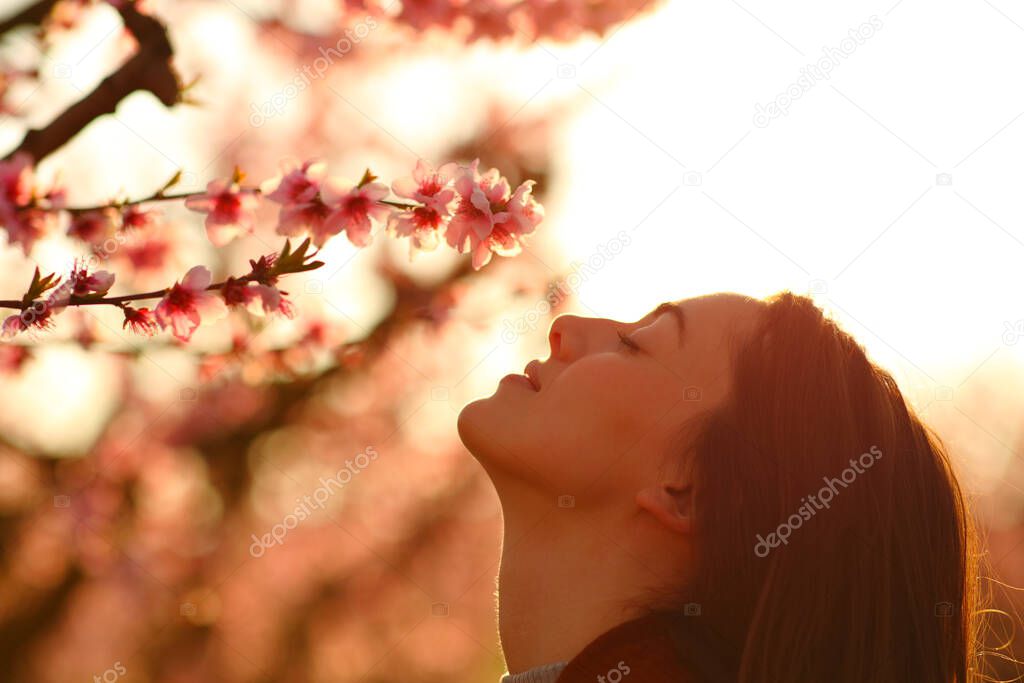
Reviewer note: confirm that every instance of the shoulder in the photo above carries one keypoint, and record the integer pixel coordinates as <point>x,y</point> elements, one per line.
<point>642,650</point>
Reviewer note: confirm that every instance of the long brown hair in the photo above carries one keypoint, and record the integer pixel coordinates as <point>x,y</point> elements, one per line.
<point>833,541</point>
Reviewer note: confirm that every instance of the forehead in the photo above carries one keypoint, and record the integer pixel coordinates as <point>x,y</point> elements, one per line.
<point>722,304</point>
<point>713,315</point>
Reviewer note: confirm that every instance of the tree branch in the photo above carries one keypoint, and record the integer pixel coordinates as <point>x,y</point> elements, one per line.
<point>149,69</point>
<point>33,14</point>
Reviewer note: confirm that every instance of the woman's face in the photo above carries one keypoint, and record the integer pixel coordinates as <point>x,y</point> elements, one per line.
<point>596,418</point>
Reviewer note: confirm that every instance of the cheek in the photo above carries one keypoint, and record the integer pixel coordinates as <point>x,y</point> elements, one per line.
<point>597,410</point>
<point>606,391</point>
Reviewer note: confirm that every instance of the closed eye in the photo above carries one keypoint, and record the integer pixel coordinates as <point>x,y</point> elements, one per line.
<point>627,342</point>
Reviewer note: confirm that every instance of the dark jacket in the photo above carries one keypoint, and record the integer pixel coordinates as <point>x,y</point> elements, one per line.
<point>654,649</point>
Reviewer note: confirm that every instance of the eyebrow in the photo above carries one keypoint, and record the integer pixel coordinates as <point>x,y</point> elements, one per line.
<point>677,311</point>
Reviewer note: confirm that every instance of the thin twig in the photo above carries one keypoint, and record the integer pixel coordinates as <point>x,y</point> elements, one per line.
<point>117,300</point>
<point>145,200</point>
<point>185,195</point>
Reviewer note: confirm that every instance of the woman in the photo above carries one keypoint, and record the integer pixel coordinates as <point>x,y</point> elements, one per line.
<point>724,490</point>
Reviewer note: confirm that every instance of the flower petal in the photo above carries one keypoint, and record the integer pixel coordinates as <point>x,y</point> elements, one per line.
<point>197,279</point>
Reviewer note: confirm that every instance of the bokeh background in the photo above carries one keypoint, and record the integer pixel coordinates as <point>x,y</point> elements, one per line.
<point>135,474</point>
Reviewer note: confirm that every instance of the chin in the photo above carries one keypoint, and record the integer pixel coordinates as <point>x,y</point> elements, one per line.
<point>483,422</point>
<point>469,425</point>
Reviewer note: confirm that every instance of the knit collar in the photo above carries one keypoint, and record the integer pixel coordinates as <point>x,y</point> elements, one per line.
<point>653,648</point>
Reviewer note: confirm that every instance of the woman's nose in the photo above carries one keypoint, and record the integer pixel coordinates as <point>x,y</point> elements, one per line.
<point>566,338</point>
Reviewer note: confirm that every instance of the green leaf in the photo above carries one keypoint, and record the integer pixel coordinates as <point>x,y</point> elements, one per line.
<point>169,184</point>
<point>368,177</point>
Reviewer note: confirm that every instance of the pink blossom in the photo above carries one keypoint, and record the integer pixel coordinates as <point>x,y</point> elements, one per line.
<point>262,269</point>
<point>521,216</point>
<point>297,183</point>
<point>297,189</point>
<point>187,303</point>
<point>318,332</point>
<point>479,196</point>
<point>12,325</point>
<point>433,190</point>
<point>504,240</point>
<point>482,221</point>
<point>420,225</point>
<point>93,227</point>
<point>139,320</point>
<point>56,197</point>
<point>143,248</point>
<point>281,304</point>
<point>79,283</point>
<point>27,226</point>
<point>149,255</point>
<point>352,208</point>
<point>38,315</point>
<point>26,211</point>
<point>134,217</point>
<point>21,203</point>
<point>256,298</point>
<point>16,181</point>
<point>421,14</point>
<point>429,187</point>
<point>230,210</point>
<point>488,220</point>
<point>84,284</point>
<point>308,217</point>
<point>490,20</point>
<point>526,212</point>
<point>13,358</point>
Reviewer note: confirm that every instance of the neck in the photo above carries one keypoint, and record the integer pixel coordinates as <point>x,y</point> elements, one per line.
<point>563,581</point>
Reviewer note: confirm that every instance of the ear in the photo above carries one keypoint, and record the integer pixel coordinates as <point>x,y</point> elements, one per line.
<point>670,504</point>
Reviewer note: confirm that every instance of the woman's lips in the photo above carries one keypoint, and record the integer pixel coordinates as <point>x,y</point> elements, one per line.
<point>532,374</point>
<point>523,379</point>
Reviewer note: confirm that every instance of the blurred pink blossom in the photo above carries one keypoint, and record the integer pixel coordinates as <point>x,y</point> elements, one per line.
<point>256,298</point>
<point>134,217</point>
<point>93,227</point>
<point>297,183</point>
<point>188,303</point>
<point>230,210</point>
<point>305,218</point>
